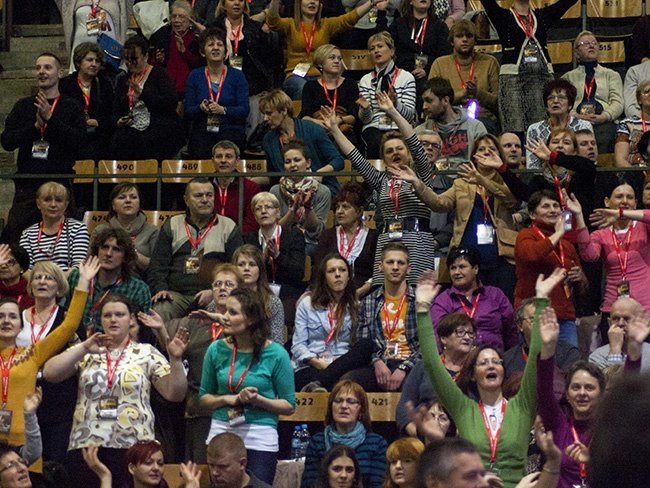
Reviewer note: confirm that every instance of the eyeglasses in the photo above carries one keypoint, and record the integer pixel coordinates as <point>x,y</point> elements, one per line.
<point>268,208</point>
<point>349,401</point>
<point>221,284</point>
<point>13,464</point>
<point>9,262</point>
<point>426,144</point>
<point>556,97</point>
<point>646,91</point>
<point>45,277</point>
<point>527,319</point>
<point>467,332</point>
<point>493,361</point>
<point>588,43</point>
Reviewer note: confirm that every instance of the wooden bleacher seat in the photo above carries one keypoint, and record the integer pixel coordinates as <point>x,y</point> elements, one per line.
<point>118,171</point>
<point>575,12</point>
<point>347,166</point>
<point>560,52</point>
<point>252,165</point>
<point>159,217</point>
<point>357,59</point>
<point>378,164</point>
<point>296,105</point>
<point>307,277</point>
<point>172,475</point>
<point>331,222</point>
<point>370,219</point>
<point>488,48</point>
<point>311,407</point>
<point>94,218</point>
<point>606,160</point>
<point>84,167</point>
<point>613,9</point>
<point>189,167</point>
<point>611,50</point>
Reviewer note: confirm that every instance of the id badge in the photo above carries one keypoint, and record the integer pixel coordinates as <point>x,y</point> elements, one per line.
<point>494,469</point>
<point>108,407</point>
<point>421,60</point>
<point>484,234</point>
<point>302,69</point>
<point>567,217</point>
<point>236,61</point>
<point>40,149</point>
<point>92,26</point>
<point>372,15</point>
<point>392,350</point>
<point>213,124</point>
<point>395,228</point>
<point>588,108</point>
<point>275,288</point>
<point>385,123</point>
<point>236,416</point>
<point>5,421</point>
<point>192,265</point>
<point>531,54</point>
<point>623,289</point>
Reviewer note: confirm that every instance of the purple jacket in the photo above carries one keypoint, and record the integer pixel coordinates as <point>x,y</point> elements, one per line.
<point>495,321</point>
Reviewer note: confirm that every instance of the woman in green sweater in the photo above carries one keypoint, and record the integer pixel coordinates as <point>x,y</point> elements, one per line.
<point>499,427</point>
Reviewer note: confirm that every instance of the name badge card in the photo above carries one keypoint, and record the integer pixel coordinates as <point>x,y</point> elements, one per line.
<point>484,234</point>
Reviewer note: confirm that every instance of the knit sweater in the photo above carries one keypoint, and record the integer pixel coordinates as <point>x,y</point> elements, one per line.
<point>519,414</point>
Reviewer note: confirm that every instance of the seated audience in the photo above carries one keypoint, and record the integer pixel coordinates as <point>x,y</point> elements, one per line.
<point>633,78</point>
<point>515,358</point>
<point>283,251</point>
<point>216,101</point>
<point>387,318</point>
<point>278,113</point>
<point>599,97</point>
<point>144,108</point>
<point>108,416</point>
<point>351,238</point>
<point>225,158</point>
<point>347,422</point>
<point>402,456</point>
<point>559,96</point>
<point>57,238</point>
<point>540,249</point>
<point>92,88</point>
<point>632,128</point>
<point>188,247</point>
<point>339,468</point>
<point>174,46</point>
<point>250,261</point>
<point>264,389</point>
<point>14,261</point>
<point>126,213</point>
<point>387,78</point>
<point>332,90</point>
<point>487,306</point>
<point>473,75</point>
<point>117,256</point>
<point>304,202</point>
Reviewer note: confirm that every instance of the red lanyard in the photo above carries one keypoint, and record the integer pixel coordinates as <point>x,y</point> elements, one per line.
<point>470,77</point>
<point>110,372</point>
<point>6,369</point>
<point>334,324</point>
<point>642,121</point>
<point>444,363</point>
<point>232,371</point>
<point>419,39</point>
<point>345,253</point>
<point>101,299</point>
<point>558,185</point>
<point>568,119</point>
<point>327,95</point>
<point>485,199</point>
<point>216,330</point>
<point>589,88</point>
<point>93,8</point>
<point>583,466</point>
<point>208,79</point>
<point>474,307</point>
<point>48,254</point>
<point>494,439</point>
<point>617,248</point>
<point>36,338</point>
<point>236,35</point>
<point>56,101</point>
<point>391,326</point>
<point>137,81</point>
<point>524,353</point>
<point>223,193</point>
<point>310,41</point>
<point>393,193</point>
<point>199,239</point>
<point>561,257</point>
<point>528,29</point>
<point>274,267</point>
<point>86,97</point>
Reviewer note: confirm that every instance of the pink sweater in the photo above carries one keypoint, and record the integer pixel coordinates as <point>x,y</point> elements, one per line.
<point>601,246</point>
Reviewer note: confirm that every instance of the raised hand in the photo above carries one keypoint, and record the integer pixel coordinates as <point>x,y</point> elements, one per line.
<point>5,253</point>
<point>330,119</point>
<point>97,343</point>
<point>578,452</point>
<point>33,400</point>
<point>604,217</point>
<point>207,318</point>
<point>363,103</point>
<point>191,474</point>
<point>384,102</point>
<point>178,344</point>
<point>93,462</point>
<point>539,149</point>
<point>151,319</point>
<point>572,203</point>
<point>469,173</point>
<point>491,159</point>
<point>404,172</point>
<point>427,288</point>
<point>549,329</point>
<point>639,327</point>
<point>424,422</point>
<point>88,269</point>
<point>544,286</point>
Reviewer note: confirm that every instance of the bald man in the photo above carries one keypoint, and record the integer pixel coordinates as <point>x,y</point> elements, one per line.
<point>622,312</point>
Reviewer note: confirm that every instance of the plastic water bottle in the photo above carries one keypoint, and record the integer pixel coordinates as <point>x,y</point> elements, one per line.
<point>305,437</point>
<point>296,444</point>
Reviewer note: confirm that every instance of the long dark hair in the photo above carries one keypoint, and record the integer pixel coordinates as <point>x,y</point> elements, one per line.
<point>321,295</point>
<point>338,451</point>
<point>253,309</point>
<point>406,11</point>
<point>263,288</point>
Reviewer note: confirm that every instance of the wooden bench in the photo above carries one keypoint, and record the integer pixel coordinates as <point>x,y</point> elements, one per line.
<point>311,407</point>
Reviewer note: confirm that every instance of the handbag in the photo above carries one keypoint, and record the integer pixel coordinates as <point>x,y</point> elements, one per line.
<point>151,15</point>
<point>112,51</point>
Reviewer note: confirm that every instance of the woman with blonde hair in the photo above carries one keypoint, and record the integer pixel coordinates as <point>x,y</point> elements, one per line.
<point>402,456</point>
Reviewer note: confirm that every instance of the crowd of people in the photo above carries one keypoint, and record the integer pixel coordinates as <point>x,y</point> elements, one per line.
<point>470,295</point>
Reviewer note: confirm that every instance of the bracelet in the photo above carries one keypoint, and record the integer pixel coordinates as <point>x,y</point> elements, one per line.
<point>554,473</point>
<point>620,212</point>
<point>423,302</point>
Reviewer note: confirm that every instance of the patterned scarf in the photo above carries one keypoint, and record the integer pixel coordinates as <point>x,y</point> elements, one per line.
<point>354,439</point>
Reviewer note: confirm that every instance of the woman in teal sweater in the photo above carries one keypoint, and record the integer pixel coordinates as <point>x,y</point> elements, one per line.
<point>499,427</point>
